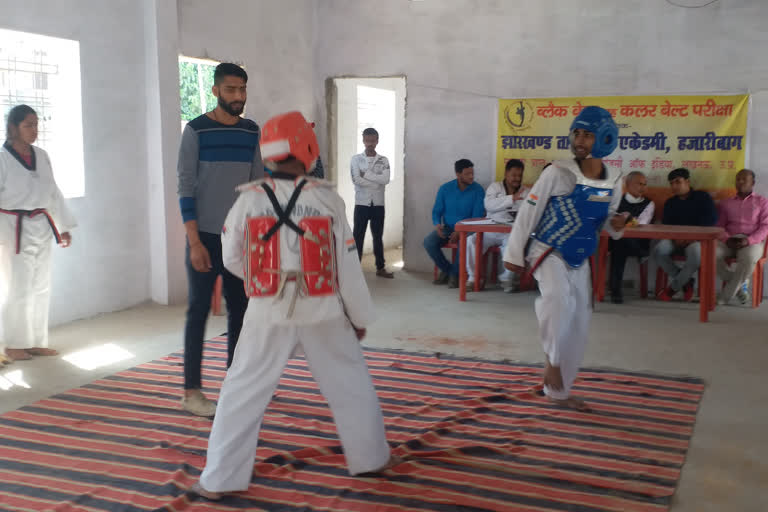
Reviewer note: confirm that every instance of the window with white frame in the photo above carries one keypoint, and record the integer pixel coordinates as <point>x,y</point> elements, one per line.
<point>44,73</point>
<point>195,83</point>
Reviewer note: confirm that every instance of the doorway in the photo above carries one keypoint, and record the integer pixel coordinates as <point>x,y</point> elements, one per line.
<point>357,104</point>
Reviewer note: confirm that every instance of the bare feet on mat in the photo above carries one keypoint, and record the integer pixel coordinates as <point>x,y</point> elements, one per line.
<point>553,378</point>
<point>209,495</point>
<point>572,403</point>
<point>17,354</point>
<point>5,359</point>
<point>40,351</point>
<point>393,461</point>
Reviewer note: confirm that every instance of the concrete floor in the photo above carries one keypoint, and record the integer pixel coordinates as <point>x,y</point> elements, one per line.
<point>727,467</point>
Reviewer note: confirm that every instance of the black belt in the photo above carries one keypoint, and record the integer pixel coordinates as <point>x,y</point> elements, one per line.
<point>21,214</point>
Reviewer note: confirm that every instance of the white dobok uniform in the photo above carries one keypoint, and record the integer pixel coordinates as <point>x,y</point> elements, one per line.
<point>503,209</point>
<point>564,308</point>
<point>275,326</point>
<point>32,213</point>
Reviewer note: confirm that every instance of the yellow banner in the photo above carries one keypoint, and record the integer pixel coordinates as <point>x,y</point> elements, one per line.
<point>705,134</point>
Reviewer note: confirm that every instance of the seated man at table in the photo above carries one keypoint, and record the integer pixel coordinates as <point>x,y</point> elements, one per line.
<point>639,210</point>
<point>744,218</point>
<point>456,200</point>
<point>687,207</point>
<point>502,201</point>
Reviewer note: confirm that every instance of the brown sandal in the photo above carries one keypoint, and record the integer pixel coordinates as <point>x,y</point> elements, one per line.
<point>209,495</point>
<point>40,351</point>
<point>17,354</point>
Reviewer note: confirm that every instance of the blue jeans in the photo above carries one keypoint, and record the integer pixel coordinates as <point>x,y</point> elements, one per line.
<point>200,291</point>
<point>434,246</point>
<point>678,277</point>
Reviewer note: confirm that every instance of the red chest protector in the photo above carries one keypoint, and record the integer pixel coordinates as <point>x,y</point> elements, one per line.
<point>263,275</point>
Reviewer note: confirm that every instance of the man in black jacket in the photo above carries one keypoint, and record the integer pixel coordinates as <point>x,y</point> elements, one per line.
<point>687,207</point>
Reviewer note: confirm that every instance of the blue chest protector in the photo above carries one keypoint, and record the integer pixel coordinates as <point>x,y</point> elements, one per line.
<point>571,224</point>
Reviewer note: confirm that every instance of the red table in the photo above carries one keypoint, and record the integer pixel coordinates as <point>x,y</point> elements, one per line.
<point>707,236</point>
<point>463,229</point>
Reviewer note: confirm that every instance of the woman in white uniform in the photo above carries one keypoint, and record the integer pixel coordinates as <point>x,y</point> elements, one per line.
<point>32,213</point>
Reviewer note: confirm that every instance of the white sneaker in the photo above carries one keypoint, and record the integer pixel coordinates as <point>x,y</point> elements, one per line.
<point>742,295</point>
<point>510,286</point>
<point>470,286</point>
<point>198,404</point>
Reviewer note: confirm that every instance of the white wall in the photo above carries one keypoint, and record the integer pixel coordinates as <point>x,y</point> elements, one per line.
<point>272,40</point>
<point>105,269</point>
<point>167,273</point>
<point>346,146</point>
<point>459,56</point>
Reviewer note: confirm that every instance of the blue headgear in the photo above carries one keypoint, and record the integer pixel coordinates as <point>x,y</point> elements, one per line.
<point>598,121</point>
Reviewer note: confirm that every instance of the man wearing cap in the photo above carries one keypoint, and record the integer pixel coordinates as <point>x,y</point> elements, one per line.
<point>556,231</point>
<point>687,207</point>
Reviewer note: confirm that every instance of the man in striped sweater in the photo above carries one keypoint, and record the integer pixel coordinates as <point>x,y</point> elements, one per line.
<point>219,151</point>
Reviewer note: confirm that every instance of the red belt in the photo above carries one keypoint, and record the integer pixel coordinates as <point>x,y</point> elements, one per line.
<point>21,214</point>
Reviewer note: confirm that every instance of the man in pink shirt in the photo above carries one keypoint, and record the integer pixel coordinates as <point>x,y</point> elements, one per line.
<point>744,218</point>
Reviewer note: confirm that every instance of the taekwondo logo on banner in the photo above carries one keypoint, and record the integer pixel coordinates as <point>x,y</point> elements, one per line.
<point>705,134</point>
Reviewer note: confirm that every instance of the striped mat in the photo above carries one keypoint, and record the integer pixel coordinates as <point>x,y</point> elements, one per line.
<point>476,435</point>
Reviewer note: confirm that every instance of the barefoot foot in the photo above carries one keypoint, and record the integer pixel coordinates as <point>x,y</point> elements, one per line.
<point>209,495</point>
<point>572,403</point>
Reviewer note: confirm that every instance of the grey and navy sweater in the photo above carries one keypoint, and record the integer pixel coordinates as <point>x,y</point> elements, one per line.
<point>214,159</point>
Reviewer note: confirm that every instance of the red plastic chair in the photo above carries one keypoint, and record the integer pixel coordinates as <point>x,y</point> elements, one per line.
<point>758,276</point>
<point>642,265</point>
<point>492,252</point>
<point>662,279</point>
<point>454,247</point>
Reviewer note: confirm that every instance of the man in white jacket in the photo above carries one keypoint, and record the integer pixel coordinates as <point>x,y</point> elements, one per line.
<point>370,174</point>
<point>502,202</point>
<point>288,238</point>
<point>555,233</point>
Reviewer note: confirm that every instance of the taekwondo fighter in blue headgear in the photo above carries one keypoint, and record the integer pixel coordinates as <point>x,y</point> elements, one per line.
<point>556,231</point>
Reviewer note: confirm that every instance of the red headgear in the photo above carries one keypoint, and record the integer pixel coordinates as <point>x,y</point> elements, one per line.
<point>287,135</point>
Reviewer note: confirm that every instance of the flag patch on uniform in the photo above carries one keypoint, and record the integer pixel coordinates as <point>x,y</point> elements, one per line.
<point>532,199</point>
<point>351,246</point>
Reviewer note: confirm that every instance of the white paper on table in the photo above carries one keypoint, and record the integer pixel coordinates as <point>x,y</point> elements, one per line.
<point>482,222</point>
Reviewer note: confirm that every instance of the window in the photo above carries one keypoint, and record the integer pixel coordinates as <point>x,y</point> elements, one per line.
<point>195,82</point>
<point>44,73</point>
